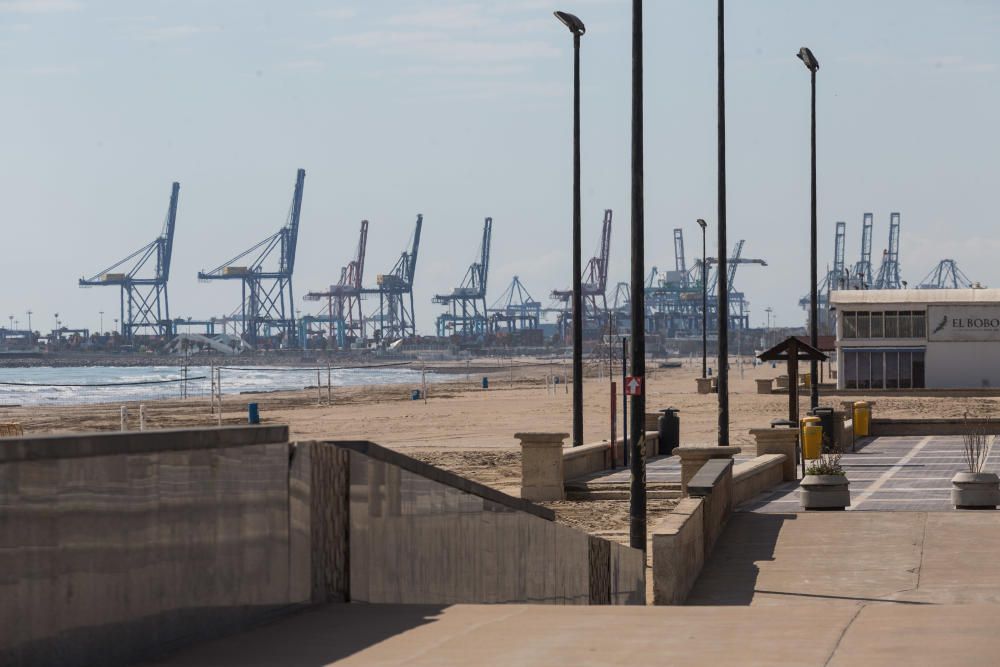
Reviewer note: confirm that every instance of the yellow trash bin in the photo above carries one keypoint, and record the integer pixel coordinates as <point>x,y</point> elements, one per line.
<point>811,437</point>
<point>807,380</point>
<point>862,419</point>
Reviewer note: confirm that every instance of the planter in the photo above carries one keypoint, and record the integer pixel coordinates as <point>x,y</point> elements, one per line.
<point>975,491</point>
<point>825,492</point>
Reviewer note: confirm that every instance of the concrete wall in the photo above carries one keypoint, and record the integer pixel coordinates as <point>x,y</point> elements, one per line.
<point>111,544</point>
<point>684,540</point>
<point>922,427</point>
<point>953,364</point>
<point>678,552</point>
<point>416,538</point>
<point>756,476</point>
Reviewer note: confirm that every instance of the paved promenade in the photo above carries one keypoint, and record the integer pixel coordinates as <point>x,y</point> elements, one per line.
<point>897,473</point>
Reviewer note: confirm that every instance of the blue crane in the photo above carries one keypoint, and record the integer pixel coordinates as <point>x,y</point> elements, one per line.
<point>465,315</point>
<point>267,302</point>
<point>144,304</point>
<point>395,321</point>
<point>888,273</point>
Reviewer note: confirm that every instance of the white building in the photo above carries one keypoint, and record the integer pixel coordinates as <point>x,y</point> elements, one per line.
<point>916,338</point>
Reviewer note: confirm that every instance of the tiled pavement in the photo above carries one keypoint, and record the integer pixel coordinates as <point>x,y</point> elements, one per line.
<point>899,473</point>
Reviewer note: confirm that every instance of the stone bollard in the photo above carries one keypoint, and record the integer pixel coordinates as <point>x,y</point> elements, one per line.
<point>693,458</point>
<point>779,441</point>
<point>542,475</point>
<point>765,385</point>
<point>704,385</point>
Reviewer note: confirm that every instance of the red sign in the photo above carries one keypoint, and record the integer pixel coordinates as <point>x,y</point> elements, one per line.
<point>633,385</point>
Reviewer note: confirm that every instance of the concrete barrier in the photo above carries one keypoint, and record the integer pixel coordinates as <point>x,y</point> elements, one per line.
<point>957,426</point>
<point>779,441</point>
<point>678,552</point>
<point>547,464</point>
<point>117,546</point>
<point>113,545</point>
<point>694,457</point>
<point>756,476</point>
<point>684,540</point>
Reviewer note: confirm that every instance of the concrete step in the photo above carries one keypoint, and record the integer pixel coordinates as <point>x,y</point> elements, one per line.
<point>620,494</point>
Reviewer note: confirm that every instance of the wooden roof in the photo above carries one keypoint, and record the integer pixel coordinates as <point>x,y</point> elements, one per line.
<point>780,352</point>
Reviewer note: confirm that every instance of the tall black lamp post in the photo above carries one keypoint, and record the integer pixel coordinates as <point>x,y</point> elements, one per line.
<point>637,495</point>
<point>576,27</point>
<point>704,301</point>
<point>807,57</point>
<point>721,284</point>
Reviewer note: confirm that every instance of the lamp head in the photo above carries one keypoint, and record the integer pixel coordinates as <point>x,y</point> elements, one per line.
<point>807,57</point>
<point>572,22</point>
<point>702,223</point>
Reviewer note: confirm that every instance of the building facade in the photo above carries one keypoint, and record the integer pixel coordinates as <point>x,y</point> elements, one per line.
<point>914,339</point>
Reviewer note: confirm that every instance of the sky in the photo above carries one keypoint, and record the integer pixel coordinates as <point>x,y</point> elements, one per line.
<point>459,110</point>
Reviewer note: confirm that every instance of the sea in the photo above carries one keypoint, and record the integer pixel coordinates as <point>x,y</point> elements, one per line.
<point>109,384</point>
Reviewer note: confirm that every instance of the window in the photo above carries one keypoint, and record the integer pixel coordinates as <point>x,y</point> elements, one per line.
<point>877,358</point>
<point>919,325</point>
<point>850,325</point>
<point>891,324</point>
<point>905,370</point>
<point>864,370</point>
<point>905,324</point>
<point>892,370</point>
<point>918,370</point>
<point>864,330</point>
<point>876,325</point>
<point>850,370</point>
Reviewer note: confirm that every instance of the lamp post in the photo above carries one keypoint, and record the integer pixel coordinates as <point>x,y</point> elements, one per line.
<point>807,57</point>
<point>704,301</point>
<point>101,332</point>
<point>722,281</point>
<point>576,27</point>
<point>637,505</point>
<point>29,313</point>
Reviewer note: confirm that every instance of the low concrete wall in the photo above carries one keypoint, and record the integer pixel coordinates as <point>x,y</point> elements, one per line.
<point>756,476</point>
<point>114,545</point>
<point>684,540</point>
<point>933,426</point>
<point>678,552</point>
<point>580,461</point>
<point>421,535</point>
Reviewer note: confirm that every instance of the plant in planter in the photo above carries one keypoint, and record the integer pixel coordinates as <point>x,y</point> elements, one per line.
<point>825,486</point>
<point>973,488</point>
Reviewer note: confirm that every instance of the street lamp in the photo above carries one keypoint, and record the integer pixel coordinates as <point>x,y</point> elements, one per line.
<point>807,57</point>
<point>576,27</point>
<point>704,301</point>
<point>101,332</point>
<point>721,283</point>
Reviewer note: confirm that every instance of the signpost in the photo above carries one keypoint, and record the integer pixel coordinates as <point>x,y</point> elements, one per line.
<point>633,385</point>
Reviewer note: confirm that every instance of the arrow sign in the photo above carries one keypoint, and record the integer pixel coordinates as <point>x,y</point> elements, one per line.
<point>633,385</point>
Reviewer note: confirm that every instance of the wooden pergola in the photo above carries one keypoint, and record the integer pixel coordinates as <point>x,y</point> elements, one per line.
<point>792,350</point>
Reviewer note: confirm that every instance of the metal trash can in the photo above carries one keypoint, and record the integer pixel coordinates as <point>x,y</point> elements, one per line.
<point>827,419</point>
<point>486,382</point>
<point>253,413</point>
<point>669,426</point>
<point>862,419</point>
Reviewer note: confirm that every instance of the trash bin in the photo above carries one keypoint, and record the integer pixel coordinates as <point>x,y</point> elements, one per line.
<point>862,419</point>
<point>486,382</point>
<point>669,430</point>
<point>415,395</point>
<point>253,414</point>
<point>827,418</point>
<point>811,437</point>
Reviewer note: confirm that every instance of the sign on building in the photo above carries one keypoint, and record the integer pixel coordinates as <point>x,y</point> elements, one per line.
<point>963,323</point>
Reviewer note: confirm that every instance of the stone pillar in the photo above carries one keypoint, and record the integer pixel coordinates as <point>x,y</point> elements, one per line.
<point>693,458</point>
<point>782,381</point>
<point>704,385</point>
<point>542,466</point>
<point>779,441</point>
<point>765,385</point>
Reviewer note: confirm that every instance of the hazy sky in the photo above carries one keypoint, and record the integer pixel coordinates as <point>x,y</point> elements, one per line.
<point>460,110</point>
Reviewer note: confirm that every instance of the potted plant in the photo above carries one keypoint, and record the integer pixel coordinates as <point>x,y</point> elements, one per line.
<point>973,489</point>
<point>825,486</point>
